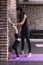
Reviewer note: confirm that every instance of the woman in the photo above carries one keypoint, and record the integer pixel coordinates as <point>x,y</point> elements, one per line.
<point>24,30</point>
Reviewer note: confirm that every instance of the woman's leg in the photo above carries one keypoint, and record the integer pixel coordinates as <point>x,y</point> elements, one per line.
<point>22,43</point>
<point>29,43</point>
<point>22,46</point>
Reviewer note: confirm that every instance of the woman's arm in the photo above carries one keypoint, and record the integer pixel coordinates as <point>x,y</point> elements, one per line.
<point>22,22</point>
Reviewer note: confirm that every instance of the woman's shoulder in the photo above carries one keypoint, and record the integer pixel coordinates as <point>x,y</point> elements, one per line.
<point>25,15</point>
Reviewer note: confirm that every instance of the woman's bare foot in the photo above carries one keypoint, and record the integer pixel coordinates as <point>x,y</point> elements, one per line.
<point>22,52</point>
<point>29,55</point>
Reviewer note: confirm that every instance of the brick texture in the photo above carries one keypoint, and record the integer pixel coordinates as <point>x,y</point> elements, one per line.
<point>13,16</point>
<point>3,29</point>
<point>35,17</point>
<point>7,9</point>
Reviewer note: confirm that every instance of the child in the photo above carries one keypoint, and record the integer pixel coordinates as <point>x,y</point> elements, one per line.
<point>17,40</point>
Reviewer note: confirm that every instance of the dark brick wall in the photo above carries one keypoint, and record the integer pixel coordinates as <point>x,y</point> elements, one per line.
<point>3,29</point>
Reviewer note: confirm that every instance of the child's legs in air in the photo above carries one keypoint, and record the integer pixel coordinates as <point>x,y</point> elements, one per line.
<point>15,45</point>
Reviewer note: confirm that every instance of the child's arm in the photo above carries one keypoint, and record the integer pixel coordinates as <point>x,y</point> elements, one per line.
<point>13,26</point>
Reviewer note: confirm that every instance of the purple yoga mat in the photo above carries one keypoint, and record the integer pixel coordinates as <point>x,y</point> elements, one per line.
<point>34,57</point>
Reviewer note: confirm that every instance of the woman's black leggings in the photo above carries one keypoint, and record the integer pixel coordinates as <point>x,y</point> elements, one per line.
<point>25,34</point>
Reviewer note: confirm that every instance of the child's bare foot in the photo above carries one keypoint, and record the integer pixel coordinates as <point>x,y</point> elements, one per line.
<point>8,54</point>
<point>29,55</point>
<point>10,49</point>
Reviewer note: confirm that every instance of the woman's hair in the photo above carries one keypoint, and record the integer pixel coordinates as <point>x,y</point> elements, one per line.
<point>19,8</point>
<point>21,12</point>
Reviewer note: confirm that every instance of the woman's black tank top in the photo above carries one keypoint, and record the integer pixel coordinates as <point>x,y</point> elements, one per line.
<point>24,26</point>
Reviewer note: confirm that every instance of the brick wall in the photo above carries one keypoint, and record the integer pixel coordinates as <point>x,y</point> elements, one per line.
<point>3,29</point>
<point>7,8</point>
<point>12,14</point>
<point>35,17</point>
